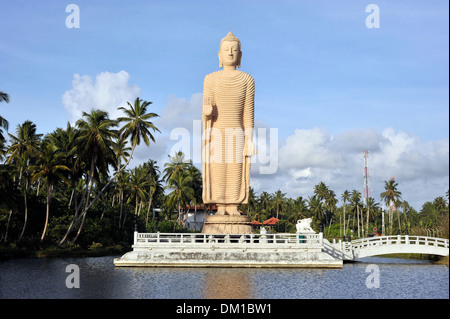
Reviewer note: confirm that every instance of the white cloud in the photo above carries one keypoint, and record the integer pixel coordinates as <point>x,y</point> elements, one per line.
<point>180,125</point>
<point>179,112</point>
<point>406,157</point>
<point>108,92</point>
<point>309,148</point>
<point>310,156</point>
<point>303,159</point>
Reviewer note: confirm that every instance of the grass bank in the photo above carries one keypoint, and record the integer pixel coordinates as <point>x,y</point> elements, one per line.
<point>433,258</point>
<point>49,252</point>
<point>442,261</point>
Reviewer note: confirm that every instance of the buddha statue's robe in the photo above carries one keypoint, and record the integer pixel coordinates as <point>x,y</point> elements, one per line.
<point>227,131</point>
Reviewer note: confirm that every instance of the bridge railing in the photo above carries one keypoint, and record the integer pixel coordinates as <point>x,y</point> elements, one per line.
<point>251,239</point>
<point>400,240</point>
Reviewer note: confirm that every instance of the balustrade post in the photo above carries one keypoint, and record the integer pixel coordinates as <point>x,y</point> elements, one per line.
<point>135,237</point>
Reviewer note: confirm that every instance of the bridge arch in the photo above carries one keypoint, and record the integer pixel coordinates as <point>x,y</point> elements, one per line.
<point>383,245</point>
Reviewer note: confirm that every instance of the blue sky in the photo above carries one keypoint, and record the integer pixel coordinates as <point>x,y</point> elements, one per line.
<point>322,77</point>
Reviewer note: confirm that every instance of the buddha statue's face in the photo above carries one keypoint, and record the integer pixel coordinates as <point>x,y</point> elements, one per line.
<point>230,53</point>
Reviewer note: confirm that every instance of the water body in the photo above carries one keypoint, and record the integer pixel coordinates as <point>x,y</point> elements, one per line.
<point>373,278</point>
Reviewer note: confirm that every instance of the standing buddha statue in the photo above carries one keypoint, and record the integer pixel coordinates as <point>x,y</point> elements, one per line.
<point>228,124</point>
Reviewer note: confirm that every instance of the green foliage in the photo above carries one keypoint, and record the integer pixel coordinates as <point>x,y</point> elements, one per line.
<point>74,183</point>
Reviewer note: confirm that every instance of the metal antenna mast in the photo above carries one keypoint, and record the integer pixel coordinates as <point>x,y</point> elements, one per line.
<point>367,191</point>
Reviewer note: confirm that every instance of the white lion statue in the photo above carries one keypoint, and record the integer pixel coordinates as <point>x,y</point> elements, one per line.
<point>304,226</point>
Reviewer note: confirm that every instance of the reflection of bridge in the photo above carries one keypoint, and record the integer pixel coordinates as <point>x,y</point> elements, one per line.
<point>383,245</point>
<point>267,250</point>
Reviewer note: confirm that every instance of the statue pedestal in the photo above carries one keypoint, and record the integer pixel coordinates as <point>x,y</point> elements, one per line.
<point>227,224</point>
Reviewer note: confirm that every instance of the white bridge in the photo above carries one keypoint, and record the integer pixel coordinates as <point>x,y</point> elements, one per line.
<point>267,250</point>
<point>383,245</point>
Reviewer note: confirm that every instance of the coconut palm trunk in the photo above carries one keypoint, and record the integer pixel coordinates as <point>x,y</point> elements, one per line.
<point>49,200</point>
<point>121,206</point>
<point>83,213</point>
<point>357,217</point>
<point>26,211</point>
<point>367,221</point>
<point>75,218</point>
<point>7,226</point>
<point>149,204</point>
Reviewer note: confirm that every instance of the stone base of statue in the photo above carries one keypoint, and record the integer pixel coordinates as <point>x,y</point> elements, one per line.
<point>232,250</point>
<point>227,224</point>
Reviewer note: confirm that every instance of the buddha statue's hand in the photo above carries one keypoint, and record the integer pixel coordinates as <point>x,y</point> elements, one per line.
<point>250,149</point>
<point>207,107</point>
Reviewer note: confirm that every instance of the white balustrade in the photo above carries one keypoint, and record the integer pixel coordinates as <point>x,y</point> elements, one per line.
<point>253,239</point>
<point>347,250</point>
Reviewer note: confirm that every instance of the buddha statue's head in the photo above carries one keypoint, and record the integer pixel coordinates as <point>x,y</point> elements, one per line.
<point>230,51</point>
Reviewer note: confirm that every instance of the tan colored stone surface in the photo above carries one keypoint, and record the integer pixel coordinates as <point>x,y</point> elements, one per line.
<point>227,224</point>
<point>228,122</point>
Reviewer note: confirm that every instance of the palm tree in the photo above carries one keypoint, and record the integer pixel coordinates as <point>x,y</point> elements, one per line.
<point>3,122</point>
<point>3,150</point>
<point>356,202</point>
<point>154,183</point>
<point>121,149</point>
<point>139,184</point>
<point>177,164</point>
<point>264,202</point>
<point>371,206</point>
<point>66,141</point>
<point>406,209</point>
<point>196,184</point>
<point>174,172</point>
<point>24,148</point>
<point>300,208</point>
<point>278,201</point>
<point>330,202</point>
<point>315,207</point>
<point>440,206</point>
<point>48,166</point>
<point>390,196</point>
<point>4,97</point>
<point>181,193</point>
<point>123,183</point>
<point>345,197</point>
<point>8,194</point>
<point>95,144</point>
<point>321,191</point>
<point>251,206</point>
<point>137,124</point>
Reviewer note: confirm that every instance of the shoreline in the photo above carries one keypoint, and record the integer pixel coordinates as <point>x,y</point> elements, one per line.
<point>440,260</point>
<point>7,253</point>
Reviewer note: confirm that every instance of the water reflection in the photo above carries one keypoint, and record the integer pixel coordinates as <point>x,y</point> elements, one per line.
<point>223,283</point>
<point>45,278</point>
